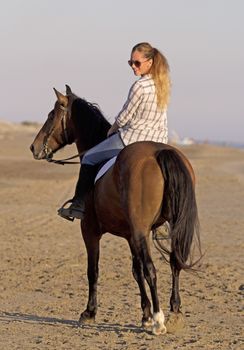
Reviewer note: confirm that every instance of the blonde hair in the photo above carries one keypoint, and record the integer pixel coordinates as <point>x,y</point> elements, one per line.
<point>159,71</point>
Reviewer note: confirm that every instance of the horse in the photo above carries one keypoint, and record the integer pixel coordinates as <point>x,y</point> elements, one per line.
<point>150,184</point>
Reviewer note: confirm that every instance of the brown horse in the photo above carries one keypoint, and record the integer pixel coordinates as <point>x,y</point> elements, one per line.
<point>150,184</point>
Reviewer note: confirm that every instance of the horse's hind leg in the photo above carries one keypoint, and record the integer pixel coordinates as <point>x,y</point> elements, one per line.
<point>176,319</point>
<point>141,247</point>
<point>175,301</point>
<point>137,270</point>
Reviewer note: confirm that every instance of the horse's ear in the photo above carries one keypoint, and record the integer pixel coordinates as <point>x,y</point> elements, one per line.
<point>63,100</point>
<point>68,90</point>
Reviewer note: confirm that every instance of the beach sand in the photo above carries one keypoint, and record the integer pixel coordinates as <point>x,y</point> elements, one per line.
<point>43,285</point>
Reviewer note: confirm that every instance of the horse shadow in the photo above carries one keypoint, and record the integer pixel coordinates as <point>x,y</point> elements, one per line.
<point>8,317</point>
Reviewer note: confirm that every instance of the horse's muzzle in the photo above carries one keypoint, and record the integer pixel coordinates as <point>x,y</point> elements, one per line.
<point>43,153</point>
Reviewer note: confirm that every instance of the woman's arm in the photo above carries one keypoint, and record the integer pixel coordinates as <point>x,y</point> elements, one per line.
<point>131,105</point>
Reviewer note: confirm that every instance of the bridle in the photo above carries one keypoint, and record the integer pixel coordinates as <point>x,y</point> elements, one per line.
<point>64,122</point>
<point>66,141</point>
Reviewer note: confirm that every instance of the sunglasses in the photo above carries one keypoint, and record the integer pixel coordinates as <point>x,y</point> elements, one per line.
<point>136,63</point>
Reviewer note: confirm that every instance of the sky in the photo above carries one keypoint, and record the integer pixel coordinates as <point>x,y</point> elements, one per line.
<point>86,44</point>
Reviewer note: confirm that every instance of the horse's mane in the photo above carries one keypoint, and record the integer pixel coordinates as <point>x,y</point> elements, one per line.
<point>90,124</point>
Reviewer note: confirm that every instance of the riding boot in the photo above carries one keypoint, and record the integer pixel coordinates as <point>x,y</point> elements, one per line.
<point>83,187</point>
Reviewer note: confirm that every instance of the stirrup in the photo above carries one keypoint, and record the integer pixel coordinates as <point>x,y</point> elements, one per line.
<point>70,213</point>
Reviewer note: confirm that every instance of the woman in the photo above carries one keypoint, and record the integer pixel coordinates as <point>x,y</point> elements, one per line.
<point>142,118</point>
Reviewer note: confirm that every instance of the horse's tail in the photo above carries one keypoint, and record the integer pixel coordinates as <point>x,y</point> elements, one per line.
<point>179,205</point>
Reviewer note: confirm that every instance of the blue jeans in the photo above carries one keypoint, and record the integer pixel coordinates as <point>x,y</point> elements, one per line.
<point>105,150</point>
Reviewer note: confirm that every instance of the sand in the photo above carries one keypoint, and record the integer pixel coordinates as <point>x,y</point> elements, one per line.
<point>43,286</point>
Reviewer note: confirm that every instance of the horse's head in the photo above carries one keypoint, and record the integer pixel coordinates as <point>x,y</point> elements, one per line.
<point>57,131</point>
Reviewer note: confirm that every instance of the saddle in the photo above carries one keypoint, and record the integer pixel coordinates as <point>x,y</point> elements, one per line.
<point>104,168</point>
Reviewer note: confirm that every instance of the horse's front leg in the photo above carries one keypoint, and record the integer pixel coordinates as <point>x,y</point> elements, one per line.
<point>92,246</point>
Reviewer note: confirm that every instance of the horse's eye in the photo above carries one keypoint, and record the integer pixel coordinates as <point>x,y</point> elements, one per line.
<point>51,115</point>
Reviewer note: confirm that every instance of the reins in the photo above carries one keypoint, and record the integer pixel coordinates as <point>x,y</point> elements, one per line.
<point>66,160</point>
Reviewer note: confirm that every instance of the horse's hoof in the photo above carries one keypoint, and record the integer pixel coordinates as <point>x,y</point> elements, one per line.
<point>86,318</point>
<point>158,323</point>
<point>176,322</point>
<point>147,322</point>
<point>159,329</point>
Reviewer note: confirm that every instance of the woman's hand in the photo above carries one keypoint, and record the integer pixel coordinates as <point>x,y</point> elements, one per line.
<point>114,128</point>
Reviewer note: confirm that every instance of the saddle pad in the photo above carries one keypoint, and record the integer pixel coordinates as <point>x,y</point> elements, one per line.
<point>105,168</point>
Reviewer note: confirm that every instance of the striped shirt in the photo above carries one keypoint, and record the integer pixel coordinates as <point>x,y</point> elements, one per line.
<point>140,119</point>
